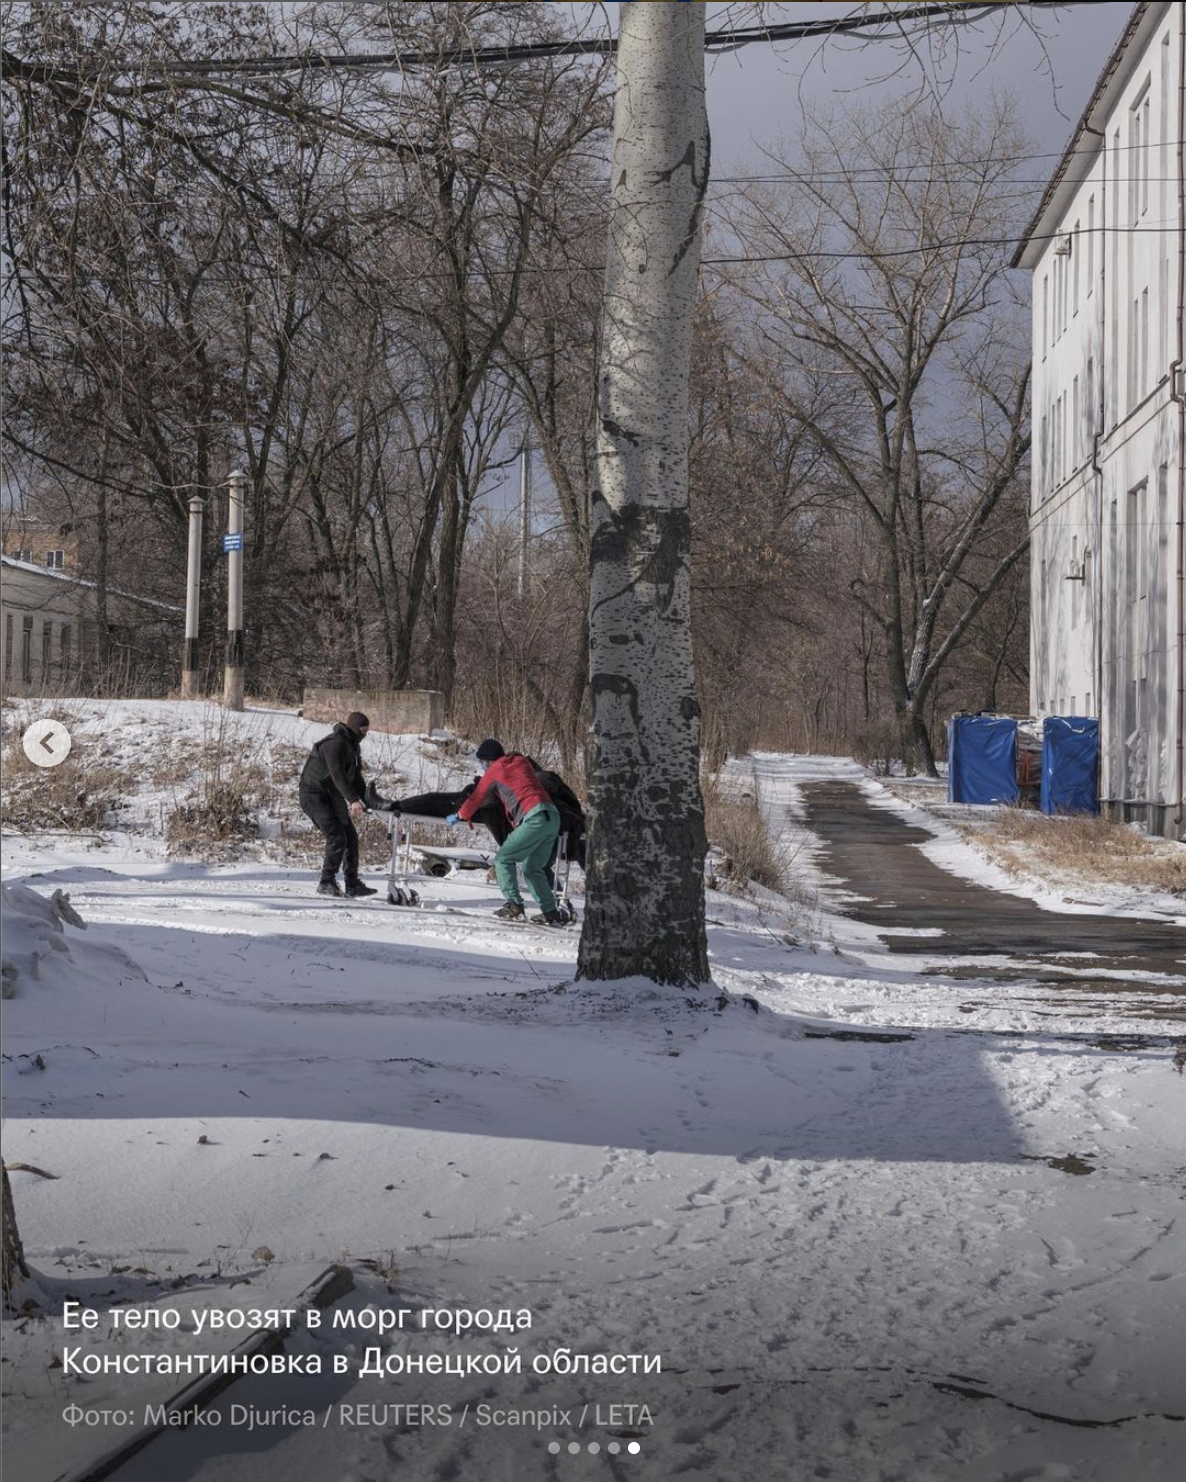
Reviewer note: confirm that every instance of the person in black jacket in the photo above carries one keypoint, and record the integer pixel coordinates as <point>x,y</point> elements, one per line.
<point>332,794</point>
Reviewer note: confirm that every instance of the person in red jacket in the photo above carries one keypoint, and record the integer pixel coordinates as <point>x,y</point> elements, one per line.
<point>510,779</point>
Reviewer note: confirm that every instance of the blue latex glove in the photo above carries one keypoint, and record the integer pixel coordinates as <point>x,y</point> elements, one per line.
<point>451,819</point>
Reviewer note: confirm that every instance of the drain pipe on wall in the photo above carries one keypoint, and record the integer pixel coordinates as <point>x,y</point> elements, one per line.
<point>1178,393</point>
<point>1101,380</point>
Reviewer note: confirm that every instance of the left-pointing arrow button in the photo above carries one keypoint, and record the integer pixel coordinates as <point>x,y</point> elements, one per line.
<point>46,743</point>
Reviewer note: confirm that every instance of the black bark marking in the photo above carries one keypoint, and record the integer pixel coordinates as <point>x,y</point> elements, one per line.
<point>627,532</point>
<point>617,684</point>
<point>616,430</point>
<point>688,158</point>
<point>700,182</point>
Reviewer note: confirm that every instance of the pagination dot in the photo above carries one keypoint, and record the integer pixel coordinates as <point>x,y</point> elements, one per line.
<point>594,1448</point>
<point>613,1448</point>
<point>554,1447</point>
<point>574,1448</point>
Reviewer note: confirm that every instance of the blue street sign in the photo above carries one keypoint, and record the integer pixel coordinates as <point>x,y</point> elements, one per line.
<point>233,542</point>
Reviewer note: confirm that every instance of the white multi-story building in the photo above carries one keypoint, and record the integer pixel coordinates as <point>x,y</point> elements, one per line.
<point>1106,249</point>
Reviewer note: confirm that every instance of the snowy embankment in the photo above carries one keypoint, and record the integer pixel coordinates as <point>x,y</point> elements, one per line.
<point>858,1256</point>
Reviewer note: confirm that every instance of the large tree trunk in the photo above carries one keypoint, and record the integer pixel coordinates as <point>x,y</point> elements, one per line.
<point>645,911</point>
<point>13,1252</point>
<point>914,744</point>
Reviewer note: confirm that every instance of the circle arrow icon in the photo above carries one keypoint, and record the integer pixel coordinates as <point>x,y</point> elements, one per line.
<point>46,743</point>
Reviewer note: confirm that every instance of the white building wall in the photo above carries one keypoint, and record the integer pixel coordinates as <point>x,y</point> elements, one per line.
<point>46,628</point>
<point>1108,457</point>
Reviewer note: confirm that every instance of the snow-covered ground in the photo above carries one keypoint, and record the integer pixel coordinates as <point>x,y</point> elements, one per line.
<point>871,1234</point>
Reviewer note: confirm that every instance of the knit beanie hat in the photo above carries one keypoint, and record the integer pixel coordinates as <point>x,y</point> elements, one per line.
<point>490,750</point>
<point>356,721</point>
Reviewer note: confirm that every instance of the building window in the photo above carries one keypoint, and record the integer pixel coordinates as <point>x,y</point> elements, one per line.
<point>1058,439</point>
<point>1143,349</point>
<point>7,644</point>
<point>55,560</point>
<point>1060,296</point>
<point>1074,585</point>
<point>1146,150</point>
<point>1135,572</point>
<point>1075,269</point>
<point>23,554</point>
<point>64,648</point>
<point>1138,151</point>
<point>1045,314</point>
<point>1076,429</point>
<point>1090,243</point>
<point>47,638</point>
<point>27,650</point>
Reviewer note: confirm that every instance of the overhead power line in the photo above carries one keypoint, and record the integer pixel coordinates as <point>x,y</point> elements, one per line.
<point>964,12</point>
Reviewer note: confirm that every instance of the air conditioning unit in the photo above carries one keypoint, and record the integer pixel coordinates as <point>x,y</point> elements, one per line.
<point>1062,247</point>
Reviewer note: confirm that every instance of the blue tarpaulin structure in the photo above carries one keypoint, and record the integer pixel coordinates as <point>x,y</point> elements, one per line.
<point>1070,764</point>
<point>982,759</point>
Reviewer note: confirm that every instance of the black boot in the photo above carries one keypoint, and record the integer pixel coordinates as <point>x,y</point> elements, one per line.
<point>549,918</point>
<point>512,911</point>
<point>375,803</point>
<point>355,888</point>
<point>329,887</point>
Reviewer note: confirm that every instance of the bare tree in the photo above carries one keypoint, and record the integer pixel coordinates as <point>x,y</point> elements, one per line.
<point>885,284</point>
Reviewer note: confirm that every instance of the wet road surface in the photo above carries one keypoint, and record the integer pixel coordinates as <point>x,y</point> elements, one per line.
<point>871,851</point>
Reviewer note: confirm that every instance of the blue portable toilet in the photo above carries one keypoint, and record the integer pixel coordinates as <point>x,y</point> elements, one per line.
<point>982,759</point>
<point>1070,764</point>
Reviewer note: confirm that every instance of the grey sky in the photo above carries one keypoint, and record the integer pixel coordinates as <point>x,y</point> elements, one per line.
<point>758,92</point>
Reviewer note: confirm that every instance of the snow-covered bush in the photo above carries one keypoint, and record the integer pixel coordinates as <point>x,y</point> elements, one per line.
<point>34,928</point>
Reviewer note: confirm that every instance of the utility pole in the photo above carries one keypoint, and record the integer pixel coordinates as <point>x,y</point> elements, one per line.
<point>190,679</point>
<point>524,514</point>
<point>232,544</point>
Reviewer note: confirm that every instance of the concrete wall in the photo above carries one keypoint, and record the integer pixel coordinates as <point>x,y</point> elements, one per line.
<point>415,712</point>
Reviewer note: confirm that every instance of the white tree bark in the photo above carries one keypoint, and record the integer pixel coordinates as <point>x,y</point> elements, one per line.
<point>645,898</point>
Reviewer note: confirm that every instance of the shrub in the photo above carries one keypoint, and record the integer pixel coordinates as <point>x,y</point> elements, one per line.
<point>222,815</point>
<point>736,828</point>
<point>81,794</point>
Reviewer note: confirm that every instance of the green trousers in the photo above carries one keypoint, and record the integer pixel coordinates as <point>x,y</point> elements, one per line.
<point>529,845</point>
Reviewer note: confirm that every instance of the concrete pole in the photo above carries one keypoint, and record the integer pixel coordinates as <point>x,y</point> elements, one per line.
<point>190,679</point>
<point>524,514</point>
<point>232,693</point>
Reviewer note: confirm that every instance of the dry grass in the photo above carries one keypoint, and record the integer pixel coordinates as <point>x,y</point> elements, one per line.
<point>736,827</point>
<point>81,794</point>
<point>1094,850</point>
<point>300,845</point>
<point>221,815</point>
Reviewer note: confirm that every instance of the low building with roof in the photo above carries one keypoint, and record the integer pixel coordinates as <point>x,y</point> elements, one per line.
<point>49,626</point>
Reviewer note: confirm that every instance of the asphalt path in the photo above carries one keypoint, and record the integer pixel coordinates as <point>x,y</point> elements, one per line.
<point>894,887</point>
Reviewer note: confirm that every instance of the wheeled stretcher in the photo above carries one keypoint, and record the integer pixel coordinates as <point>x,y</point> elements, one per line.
<point>411,860</point>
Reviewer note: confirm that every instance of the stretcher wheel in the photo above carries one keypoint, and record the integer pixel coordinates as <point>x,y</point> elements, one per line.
<point>413,898</point>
